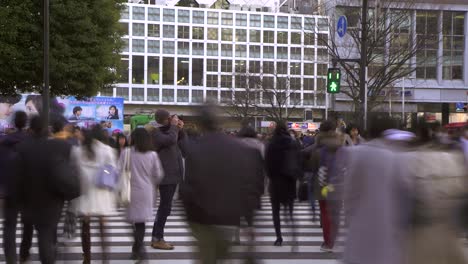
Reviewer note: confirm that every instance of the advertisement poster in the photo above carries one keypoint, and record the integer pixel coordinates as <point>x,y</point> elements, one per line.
<point>107,111</point>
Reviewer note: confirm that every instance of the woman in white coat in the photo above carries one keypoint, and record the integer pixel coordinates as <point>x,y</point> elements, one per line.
<point>146,173</point>
<point>92,155</point>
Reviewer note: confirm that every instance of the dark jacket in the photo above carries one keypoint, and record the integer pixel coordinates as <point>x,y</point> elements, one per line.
<point>8,157</point>
<point>220,181</point>
<point>40,180</point>
<point>168,142</point>
<point>283,166</point>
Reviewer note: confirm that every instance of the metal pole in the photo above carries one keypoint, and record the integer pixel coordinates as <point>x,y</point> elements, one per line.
<point>363,73</point>
<point>390,104</point>
<point>45,91</point>
<point>403,102</point>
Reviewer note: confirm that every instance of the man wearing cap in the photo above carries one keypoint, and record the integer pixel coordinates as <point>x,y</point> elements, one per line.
<point>167,135</point>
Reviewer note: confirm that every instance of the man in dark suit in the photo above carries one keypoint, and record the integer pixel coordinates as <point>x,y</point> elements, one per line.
<point>219,187</point>
<point>46,179</point>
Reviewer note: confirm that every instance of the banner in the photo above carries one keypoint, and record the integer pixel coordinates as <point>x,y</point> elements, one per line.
<point>107,111</point>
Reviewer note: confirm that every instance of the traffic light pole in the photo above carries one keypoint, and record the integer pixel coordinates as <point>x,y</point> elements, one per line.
<point>363,63</point>
<point>45,91</point>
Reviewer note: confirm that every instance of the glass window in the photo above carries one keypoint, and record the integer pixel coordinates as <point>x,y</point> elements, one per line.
<point>282,22</point>
<point>138,94</point>
<point>168,15</point>
<point>182,96</point>
<point>268,52</point>
<point>309,54</point>
<point>226,50</point>
<point>240,66</point>
<point>268,67</point>
<point>168,71</point>
<point>282,68</point>
<point>282,53</point>
<point>308,99</point>
<point>308,84</point>
<point>138,29</point>
<point>183,48</point>
<point>309,39</point>
<point>254,51</point>
<point>153,70</point>
<point>183,32</point>
<point>213,34</point>
<point>168,31</point>
<point>269,21</point>
<point>226,19</point>
<point>125,45</point>
<point>124,13</point>
<point>322,69</point>
<point>241,35</point>
<point>153,30</point>
<point>241,20</point>
<point>183,16</point>
<point>226,66</point>
<point>255,20</point>
<point>168,47</point>
<point>226,34</point>
<point>226,81</point>
<point>153,46</point>
<point>322,39</point>
<point>212,96</point>
<point>255,36</point>
<point>323,24</point>
<point>138,13</point>
<point>295,38</point>
<point>197,96</point>
<point>295,68</point>
<point>453,47</point>
<point>122,92</point>
<point>241,51</point>
<point>198,17</point>
<point>254,66</point>
<point>124,27</point>
<point>198,48</point>
<point>123,69</point>
<point>212,49</point>
<point>152,94</point>
<point>198,33</point>
<point>295,84</point>
<point>240,82</point>
<point>427,39</point>
<point>212,65</point>
<point>296,53</point>
<point>138,69</point>
<point>226,97</point>
<point>296,22</point>
<point>168,95</point>
<point>138,45</point>
<point>213,18</point>
<point>282,37</point>
<point>268,37</point>
<point>268,82</point>
<point>309,69</point>
<point>309,23</point>
<point>153,14</point>
<point>212,80</point>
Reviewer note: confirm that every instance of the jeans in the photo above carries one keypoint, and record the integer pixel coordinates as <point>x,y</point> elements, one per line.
<point>46,236</point>
<point>166,193</point>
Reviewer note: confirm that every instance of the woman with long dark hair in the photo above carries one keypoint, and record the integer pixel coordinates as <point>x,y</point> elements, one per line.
<point>282,159</point>
<point>92,156</point>
<point>121,142</point>
<point>113,112</point>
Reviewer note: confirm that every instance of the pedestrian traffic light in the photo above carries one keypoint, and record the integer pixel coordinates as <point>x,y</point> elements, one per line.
<point>333,80</point>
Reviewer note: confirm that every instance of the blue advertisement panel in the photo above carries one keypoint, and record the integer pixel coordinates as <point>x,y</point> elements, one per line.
<point>107,111</point>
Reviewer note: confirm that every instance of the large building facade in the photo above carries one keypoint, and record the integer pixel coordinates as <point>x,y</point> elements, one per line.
<point>180,57</point>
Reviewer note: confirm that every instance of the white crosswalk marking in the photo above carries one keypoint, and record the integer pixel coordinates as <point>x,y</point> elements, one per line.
<point>118,235</point>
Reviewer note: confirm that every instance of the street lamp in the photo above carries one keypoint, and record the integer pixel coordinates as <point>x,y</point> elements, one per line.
<point>45,91</point>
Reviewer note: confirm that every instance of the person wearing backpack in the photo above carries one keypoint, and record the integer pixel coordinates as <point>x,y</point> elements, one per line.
<point>324,159</point>
<point>93,157</point>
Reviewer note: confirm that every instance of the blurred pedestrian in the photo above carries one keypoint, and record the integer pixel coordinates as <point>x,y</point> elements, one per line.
<point>146,174</point>
<point>283,166</point>
<point>92,156</point>
<point>219,187</point>
<point>376,199</point>
<point>48,177</point>
<point>121,142</point>
<point>353,136</point>
<point>166,138</point>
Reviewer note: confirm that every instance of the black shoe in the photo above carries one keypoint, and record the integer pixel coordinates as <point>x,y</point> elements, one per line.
<point>279,242</point>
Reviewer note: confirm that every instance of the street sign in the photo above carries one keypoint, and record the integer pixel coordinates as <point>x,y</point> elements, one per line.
<point>342,26</point>
<point>333,80</point>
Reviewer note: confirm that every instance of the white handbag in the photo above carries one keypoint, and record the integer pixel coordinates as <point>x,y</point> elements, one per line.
<point>125,183</point>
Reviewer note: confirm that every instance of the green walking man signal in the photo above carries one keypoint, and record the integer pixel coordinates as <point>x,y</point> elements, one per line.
<point>333,80</point>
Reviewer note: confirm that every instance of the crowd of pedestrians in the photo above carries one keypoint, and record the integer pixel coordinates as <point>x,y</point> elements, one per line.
<point>393,191</point>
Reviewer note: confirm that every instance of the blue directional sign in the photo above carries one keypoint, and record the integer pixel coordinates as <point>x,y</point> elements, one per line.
<point>342,26</point>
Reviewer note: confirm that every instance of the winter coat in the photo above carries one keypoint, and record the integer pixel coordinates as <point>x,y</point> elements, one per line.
<point>8,155</point>
<point>95,201</point>
<point>256,144</point>
<point>167,143</point>
<point>220,185</point>
<point>146,173</point>
<point>283,166</point>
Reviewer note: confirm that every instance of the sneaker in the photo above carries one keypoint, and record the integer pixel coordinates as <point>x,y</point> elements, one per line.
<point>161,244</point>
<point>325,248</point>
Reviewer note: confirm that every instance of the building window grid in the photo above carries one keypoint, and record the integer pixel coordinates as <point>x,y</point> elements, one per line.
<point>426,57</point>
<point>154,14</point>
<point>453,45</point>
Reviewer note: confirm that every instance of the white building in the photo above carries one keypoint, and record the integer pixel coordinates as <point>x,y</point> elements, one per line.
<point>178,57</point>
